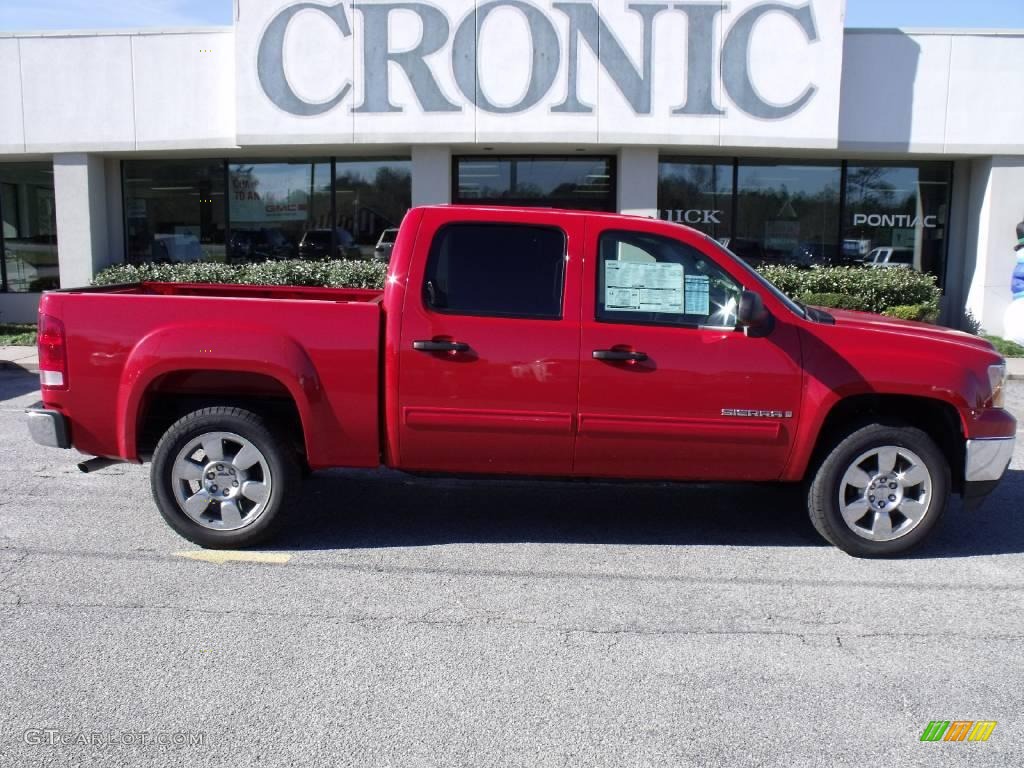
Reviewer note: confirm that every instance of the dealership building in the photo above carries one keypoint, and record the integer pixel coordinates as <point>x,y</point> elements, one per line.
<point>766,124</point>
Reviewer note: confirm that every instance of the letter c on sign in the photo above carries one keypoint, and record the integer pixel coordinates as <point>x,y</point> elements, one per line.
<point>736,61</point>
<point>270,61</point>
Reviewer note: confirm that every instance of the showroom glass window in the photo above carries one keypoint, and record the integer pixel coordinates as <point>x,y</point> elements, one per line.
<point>174,210</point>
<point>897,214</point>
<point>579,183</point>
<point>281,210</point>
<point>698,194</point>
<point>371,196</point>
<point>787,213</point>
<point>29,227</point>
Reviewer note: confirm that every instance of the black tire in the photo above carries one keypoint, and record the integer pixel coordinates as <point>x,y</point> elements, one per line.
<point>280,461</point>
<point>823,492</point>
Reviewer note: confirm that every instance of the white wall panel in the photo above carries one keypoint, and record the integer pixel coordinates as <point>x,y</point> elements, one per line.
<point>895,91</point>
<point>184,90</point>
<point>77,93</point>
<point>12,134</point>
<point>985,105</point>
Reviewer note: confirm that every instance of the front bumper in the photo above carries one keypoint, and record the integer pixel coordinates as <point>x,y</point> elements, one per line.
<point>986,463</point>
<point>988,459</point>
<point>49,428</point>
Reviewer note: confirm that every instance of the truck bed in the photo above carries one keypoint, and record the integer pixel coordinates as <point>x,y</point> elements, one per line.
<point>296,293</point>
<point>134,351</point>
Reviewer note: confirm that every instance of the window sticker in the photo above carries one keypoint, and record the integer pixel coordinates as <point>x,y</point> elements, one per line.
<point>643,287</point>
<point>698,295</point>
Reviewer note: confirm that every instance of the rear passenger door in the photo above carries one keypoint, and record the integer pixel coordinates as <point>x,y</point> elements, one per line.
<point>489,351</point>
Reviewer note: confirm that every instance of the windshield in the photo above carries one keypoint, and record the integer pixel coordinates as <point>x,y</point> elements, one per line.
<point>388,236</point>
<point>794,307</point>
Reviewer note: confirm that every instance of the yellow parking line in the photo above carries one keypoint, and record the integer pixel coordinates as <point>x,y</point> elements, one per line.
<point>222,556</point>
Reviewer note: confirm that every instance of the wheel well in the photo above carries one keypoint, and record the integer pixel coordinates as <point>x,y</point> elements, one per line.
<point>937,419</point>
<point>176,394</point>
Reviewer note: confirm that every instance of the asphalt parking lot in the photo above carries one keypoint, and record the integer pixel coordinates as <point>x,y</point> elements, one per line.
<point>456,623</point>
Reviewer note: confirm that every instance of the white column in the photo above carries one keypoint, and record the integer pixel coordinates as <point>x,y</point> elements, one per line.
<point>994,209</point>
<point>638,181</point>
<point>431,175</point>
<point>79,182</point>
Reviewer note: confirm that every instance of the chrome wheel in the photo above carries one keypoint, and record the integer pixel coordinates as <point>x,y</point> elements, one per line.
<point>885,493</point>
<point>221,481</point>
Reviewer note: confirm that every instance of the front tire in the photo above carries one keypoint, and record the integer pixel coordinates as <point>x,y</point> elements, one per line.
<point>221,476</point>
<point>880,491</point>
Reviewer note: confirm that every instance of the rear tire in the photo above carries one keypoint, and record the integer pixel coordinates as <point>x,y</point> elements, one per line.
<point>880,491</point>
<point>221,477</point>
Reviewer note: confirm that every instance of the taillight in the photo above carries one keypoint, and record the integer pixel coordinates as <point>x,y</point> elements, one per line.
<point>53,358</point>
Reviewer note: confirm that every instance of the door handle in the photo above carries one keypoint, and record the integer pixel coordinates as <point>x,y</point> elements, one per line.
<point>440,346</point>
<point>620,356</point>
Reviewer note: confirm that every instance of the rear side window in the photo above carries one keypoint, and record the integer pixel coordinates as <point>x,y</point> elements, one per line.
<point>500,270</point>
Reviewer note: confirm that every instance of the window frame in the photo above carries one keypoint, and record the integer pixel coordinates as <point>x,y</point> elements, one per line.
<point>3,252</point>
<point>225,171</point>
<point>611,199</point>
<point>599,279</point>
<point>432,256</point>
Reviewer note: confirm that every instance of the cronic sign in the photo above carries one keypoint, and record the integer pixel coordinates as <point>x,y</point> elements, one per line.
<point>552,56</point>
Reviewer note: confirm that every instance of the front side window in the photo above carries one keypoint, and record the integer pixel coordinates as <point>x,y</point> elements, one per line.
<point>497,270</point>
<point>650,279</point>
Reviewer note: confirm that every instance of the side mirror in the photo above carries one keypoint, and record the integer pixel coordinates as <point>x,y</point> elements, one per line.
<point>753,316</point>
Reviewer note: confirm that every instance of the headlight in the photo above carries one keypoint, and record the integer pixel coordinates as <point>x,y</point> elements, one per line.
<point>997,384</point>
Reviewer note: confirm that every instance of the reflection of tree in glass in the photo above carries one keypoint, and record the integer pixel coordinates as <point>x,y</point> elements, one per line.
<point>366,207</point>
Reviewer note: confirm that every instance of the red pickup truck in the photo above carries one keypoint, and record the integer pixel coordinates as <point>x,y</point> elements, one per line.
<point>525,342</point>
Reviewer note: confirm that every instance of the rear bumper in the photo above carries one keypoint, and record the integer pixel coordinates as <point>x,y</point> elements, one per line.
<point>49,428</point>
<point>986,463</point>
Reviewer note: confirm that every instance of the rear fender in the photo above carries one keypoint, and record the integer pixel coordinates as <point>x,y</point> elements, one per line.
<point>212,347</point>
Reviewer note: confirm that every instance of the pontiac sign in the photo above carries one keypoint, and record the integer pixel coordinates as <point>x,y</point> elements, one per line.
<point>706,63</point>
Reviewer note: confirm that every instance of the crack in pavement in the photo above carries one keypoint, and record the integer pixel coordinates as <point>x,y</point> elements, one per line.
<point>382,621</point>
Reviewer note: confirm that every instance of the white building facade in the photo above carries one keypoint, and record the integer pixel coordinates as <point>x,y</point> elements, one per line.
<point>308,128</point>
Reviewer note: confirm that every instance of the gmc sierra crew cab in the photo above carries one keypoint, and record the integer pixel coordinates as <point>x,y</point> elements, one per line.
<point>527,342</point>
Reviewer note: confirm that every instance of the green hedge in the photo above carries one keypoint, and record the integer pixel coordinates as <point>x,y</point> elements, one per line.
<point>876,289</point>
<point>332,274</point>
<point>833,301</point>
<point>923,313</point>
